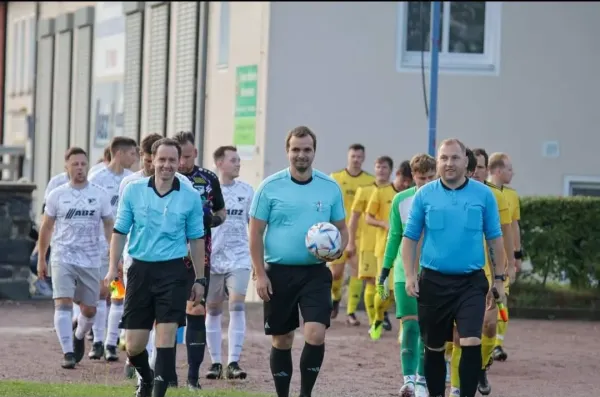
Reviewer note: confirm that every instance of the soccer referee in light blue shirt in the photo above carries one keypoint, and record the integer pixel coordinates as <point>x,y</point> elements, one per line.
<point>453,215</point>
<point>161,215</point>
<point>288,277</point>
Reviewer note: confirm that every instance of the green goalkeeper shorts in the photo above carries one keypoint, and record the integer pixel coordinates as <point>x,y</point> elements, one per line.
<point>405,305</point>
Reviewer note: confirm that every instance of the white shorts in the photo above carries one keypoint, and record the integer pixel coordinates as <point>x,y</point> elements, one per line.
<point>220,285</point>
<point>82,284</point>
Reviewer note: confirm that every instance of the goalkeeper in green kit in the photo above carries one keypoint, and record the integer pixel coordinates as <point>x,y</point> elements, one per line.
<point>412,350</point>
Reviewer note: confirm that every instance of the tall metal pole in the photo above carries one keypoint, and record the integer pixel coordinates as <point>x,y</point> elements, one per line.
<point>436,10</point>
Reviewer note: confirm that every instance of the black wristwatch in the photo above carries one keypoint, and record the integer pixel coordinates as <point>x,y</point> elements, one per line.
<point>519,254</point>
<point>201,281</point>
<point>500,277</point>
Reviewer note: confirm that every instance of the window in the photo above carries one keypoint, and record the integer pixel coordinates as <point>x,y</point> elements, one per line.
<point>223,59</point>
<point>469,33</point>
<point>582,186</point>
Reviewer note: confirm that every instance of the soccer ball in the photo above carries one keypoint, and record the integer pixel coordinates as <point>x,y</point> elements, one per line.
<point>323,240</point>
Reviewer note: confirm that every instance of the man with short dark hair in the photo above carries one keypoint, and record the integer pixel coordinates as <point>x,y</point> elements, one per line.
<point>453,214</point>
<point>73,216</point>
<point>162,215</point>
<point>207,185</point>
<point>109,178</point>
<point>103,162</point>
<point>289,278</point>
<point>230,267</point>
<point>423,171</point>
<point>147,170</point>
<point>350,179</point>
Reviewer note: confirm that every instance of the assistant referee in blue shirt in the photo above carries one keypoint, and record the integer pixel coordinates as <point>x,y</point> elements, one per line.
<point>162,215</point>
<point>453,214</point>
<point>288,277</point>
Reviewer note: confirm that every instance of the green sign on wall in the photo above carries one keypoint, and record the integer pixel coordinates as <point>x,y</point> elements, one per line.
<point>244,126</point>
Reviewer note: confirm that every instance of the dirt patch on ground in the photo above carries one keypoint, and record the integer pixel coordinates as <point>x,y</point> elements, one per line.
<point>546,358</point>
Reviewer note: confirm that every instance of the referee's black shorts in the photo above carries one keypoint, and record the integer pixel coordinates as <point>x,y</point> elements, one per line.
<point>307,288</point>
<point>445,299</point>
<point>156,291</point>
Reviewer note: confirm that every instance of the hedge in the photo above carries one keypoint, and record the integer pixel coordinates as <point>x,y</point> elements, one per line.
<point>561,238</point>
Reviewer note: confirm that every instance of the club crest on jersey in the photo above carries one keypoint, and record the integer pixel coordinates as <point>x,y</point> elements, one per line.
<point>92,201</point>
<point>240,199</point>
<point>199,179</point>
<point>319,206</point>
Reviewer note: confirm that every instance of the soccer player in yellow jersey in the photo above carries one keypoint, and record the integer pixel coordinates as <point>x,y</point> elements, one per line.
<point>501,173</point>
<point>350,179</point>
<point>378,213</point>
<point>488,339</point>
<point>363,245</point>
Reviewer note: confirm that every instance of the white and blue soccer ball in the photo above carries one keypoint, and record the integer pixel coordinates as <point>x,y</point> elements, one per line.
<point>323,240</point>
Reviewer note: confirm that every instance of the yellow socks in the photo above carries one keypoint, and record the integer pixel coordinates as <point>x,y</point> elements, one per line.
<point>500,332</point>
<point>336,290</point>
<point>354,290</point>
<point>454,363</point>
<point>487,346</point>
<point>369,299</point>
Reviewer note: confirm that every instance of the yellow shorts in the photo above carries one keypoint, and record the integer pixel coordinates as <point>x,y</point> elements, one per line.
<point>390,277</point>
<point>367,265</point>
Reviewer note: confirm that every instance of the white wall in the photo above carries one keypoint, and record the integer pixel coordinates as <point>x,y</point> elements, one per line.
<point>332,66</point>
<point>248,45</point>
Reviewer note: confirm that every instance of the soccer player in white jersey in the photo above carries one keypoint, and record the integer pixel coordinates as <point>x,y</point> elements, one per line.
<point>106,157</point>
<point>72,218</point>
<point>147,169</point>
<point>123,155</point>
<point>230,267</point>
<point>43,286</point>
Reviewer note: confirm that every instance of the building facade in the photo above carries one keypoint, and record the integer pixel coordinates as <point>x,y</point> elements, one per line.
<point>246,73</point>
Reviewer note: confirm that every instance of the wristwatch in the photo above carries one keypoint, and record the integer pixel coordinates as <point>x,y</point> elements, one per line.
<point>500,277</point>
<point>201,281</point>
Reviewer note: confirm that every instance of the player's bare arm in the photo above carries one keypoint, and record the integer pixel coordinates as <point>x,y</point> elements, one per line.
<point>197,252</point>
<point>108,224</point>
<point>45,234</point>
<point>516,229</point>
<point>371,220</point>
<point>341,225</point>
<point>352,228</point>
<point>117,244</point>
<point>509,249</point>
<point>418,255</point>
<point>257,250</point>
<point>498,246</point>
<point>409,255</point>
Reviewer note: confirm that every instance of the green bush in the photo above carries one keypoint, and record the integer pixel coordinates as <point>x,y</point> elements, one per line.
<point>535,295</point>
<point>561,237</point>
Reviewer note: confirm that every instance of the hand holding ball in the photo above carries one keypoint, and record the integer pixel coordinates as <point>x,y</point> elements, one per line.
<point>324,241</point>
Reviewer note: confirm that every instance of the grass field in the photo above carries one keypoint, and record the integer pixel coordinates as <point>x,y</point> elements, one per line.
<point>34,389</point>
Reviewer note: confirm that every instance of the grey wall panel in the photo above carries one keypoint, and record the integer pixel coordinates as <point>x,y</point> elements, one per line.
<point>158,69</point>
<point>186,66</point>
<point>43,120</point>
<point>62,100</point>
<point>134,44</point>
<point>82,90</point>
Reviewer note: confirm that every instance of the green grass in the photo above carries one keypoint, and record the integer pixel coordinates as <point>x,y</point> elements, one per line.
<point>34,389</point>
